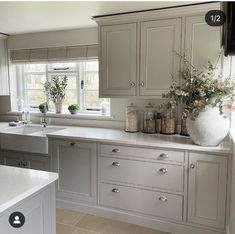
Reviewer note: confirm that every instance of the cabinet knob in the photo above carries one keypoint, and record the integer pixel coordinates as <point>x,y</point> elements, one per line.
<point>132,84</point>
<point>116,164</point>
<point>142,83</point>
<point>24,164</point>
<point>162,199</point>
<point>19,164</point>
<point>115,190</point>
<point>163,171</point>
<point>163,156</point>
<point>72,143</point>
<point>192,165</point>
<point>116,151</point>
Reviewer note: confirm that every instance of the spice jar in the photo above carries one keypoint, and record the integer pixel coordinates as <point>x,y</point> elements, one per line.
<point>149,125</point>
<point>168,123</point>
<point>131,118</point>
<point>184,131</point>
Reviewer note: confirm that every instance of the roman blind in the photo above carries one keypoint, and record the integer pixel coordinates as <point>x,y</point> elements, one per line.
<point>83,52</point>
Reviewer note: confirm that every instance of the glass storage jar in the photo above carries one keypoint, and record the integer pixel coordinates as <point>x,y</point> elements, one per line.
<point>131,124</point>
<point>168,122</point>
<point>149,124</point>
<point>184,131</point>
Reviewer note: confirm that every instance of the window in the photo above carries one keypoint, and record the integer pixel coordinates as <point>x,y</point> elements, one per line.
<point>82,88</point>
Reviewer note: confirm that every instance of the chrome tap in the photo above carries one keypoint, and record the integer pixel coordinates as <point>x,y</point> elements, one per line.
<point>44,118</point>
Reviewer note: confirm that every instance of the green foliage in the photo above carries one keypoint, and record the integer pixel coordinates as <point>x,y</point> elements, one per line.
<point>55,90</point>
<point>74,107</point>
<point>43,107</point>
<point>200,89</point>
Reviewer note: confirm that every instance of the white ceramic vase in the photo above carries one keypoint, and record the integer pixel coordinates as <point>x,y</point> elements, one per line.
<point>209,128</point>
<point>58,107</point>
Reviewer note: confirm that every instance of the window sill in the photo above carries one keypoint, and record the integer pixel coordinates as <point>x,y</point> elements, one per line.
<point>81,115</point>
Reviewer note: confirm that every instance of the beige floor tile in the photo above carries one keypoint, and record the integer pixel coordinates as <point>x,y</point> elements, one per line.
<point>83,231</point>
<point>68,217</point>
<point>64,229</point>
<point>107,226</point>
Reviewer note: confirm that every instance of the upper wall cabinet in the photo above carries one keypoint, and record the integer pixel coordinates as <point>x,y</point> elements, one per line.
<point>202,42</point>
<point>4,84</point>
<point>137,50</point>
<point>118,60</point>
<point>158,61</point>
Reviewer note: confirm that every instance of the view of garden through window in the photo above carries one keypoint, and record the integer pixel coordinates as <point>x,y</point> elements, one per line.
<point>82,88</point>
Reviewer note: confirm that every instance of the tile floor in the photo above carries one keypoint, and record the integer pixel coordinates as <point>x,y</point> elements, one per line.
<point>71,222</point>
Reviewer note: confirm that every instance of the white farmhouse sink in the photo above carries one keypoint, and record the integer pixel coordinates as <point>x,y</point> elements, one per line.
<point>27,138</point>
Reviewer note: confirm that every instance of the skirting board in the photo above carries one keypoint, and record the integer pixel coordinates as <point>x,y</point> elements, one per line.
<point>133,218</point>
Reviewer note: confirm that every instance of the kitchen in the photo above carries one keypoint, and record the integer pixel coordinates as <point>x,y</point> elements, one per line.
<point>99,98</point>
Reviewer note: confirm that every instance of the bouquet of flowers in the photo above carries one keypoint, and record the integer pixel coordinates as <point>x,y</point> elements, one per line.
<point>200,88</point>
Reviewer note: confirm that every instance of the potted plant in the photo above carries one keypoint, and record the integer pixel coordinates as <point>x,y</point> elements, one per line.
<point>202,94</point>
<point>55,90</point>
<point>73,109</point>
<point>43,107</point>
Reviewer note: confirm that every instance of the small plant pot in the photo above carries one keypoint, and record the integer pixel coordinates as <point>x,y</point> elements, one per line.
<point>73,112</point>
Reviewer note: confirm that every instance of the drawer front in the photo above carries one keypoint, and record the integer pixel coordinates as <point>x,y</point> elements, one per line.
<point>157,154</point>
<point>158,175</point>
<point>142,201</point>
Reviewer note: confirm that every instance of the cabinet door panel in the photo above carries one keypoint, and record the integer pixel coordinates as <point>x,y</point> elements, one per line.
<point>202,42</point>
<point>118,60</point>
<point>159,40</point>
<point>76,165</point>
<point>207,189</point>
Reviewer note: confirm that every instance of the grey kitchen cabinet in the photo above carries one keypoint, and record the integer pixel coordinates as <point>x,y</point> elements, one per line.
<point>25,160</point>
<point>4,79</point>
<point>75,162</point>
<point>118,60</point>
<point>202,42</point>
<point>207,189</point>
<point>158,61</point>
<point>137,51</point>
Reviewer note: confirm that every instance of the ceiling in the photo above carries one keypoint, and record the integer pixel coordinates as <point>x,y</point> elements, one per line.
<point>25,17</point>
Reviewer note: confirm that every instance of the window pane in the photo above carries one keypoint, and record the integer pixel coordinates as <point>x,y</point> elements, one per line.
<point>91,66</point>
<point>72,79</point>
<point>91,80</point>
<point>35,97</point>
<point>91,99</point>
<point>70,98</point>
<point>62,66</point>
<point>35,67</point>
<point>35,81</point>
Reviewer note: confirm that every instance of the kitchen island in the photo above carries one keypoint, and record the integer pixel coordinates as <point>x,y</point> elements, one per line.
<point>27,201</point>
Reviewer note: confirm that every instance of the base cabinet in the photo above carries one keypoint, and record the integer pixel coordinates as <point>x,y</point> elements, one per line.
<point>207,190</point>
<point>25,160</point>
<point>75,162</point>
<point>39,212</point>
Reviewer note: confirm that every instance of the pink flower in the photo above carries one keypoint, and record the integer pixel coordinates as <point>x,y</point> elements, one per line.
<point>198,103</point>
<point>220,86</point>
<point>173,104</point>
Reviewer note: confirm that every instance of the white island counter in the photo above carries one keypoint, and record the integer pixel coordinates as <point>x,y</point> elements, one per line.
<point>32,194</point>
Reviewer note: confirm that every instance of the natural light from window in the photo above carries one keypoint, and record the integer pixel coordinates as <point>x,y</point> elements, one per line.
<point>82,88</point>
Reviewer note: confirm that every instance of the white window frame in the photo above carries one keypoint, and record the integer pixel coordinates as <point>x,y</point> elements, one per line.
<point>79,78</point>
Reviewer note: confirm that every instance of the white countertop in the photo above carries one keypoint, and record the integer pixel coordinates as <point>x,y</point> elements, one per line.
<point>138,139</point>
<point>17,184</point>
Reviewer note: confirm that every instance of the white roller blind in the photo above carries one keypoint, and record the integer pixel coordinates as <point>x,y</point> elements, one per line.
<point>54,54</point>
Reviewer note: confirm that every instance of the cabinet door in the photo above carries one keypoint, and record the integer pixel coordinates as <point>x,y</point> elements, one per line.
<point>38,163</point>
<point>202,42</point>
<point>39,212</point>
<point>76,164</point>
<point>207,189</point>
<point>159,40</point>
<point>4,85</point>
<point>118,59</point>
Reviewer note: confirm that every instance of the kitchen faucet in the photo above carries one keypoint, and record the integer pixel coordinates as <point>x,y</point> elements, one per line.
<point>44,119</point>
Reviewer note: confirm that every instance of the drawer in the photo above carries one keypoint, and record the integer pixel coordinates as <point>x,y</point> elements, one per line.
<point>141,201</point>
<point>152,174</point>
<point>157,154</point>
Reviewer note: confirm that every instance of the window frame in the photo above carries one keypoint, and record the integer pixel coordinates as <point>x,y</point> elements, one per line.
<point>79,71</point>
